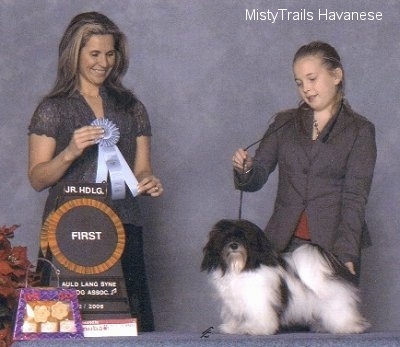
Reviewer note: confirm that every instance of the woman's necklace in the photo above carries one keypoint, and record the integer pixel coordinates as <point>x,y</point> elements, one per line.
<point>90,96</point>
<point>317,132</point>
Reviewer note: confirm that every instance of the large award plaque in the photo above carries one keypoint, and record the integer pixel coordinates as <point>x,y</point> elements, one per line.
<point>85,239</point>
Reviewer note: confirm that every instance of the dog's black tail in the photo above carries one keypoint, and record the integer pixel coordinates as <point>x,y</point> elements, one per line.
<point>338,268</point>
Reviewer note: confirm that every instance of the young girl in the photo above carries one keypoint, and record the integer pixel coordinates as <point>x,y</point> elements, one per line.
<point>326,155</point>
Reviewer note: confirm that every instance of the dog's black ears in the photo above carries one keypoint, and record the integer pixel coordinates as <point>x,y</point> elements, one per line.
<point>211,257</point>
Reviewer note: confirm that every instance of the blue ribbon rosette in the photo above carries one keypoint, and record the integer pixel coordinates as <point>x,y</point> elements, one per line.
<point>111,161</point>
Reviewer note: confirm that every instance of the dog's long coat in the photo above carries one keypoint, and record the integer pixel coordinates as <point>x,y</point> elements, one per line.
<point>261,291</point>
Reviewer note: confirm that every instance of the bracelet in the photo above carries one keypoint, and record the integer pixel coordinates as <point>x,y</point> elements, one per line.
<point>246,172</point>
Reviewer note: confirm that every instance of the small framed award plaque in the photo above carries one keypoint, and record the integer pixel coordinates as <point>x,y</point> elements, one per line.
<point>47,313</point>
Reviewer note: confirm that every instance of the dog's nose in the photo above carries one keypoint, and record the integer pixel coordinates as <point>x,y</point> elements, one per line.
<point>234,245</point>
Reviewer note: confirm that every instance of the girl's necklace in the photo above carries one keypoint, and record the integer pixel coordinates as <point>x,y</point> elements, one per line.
<point>317,132</point>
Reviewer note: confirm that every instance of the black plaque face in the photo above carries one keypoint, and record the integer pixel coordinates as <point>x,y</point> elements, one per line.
<point>85,239</point>
<point>85,236</point>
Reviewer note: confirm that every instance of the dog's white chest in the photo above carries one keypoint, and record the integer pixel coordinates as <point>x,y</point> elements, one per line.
<point>248,288</point>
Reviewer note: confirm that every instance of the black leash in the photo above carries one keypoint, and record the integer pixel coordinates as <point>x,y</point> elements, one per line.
<point>243,172</point>
<point>266,135</point>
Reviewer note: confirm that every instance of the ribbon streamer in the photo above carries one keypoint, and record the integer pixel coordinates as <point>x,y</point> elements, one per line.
<point>111,161</point>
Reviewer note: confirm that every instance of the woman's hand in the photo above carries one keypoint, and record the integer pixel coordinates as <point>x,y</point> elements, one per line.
<point>242,161</point>
<point>83,138</point>
<point>45,169</point>
<point>150,185</point>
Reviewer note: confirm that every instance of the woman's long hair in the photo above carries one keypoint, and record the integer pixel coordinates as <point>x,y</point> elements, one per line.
<point>77,34</point>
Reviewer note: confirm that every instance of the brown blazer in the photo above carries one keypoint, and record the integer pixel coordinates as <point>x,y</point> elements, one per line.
<point>329,178</point>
